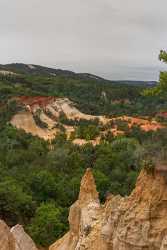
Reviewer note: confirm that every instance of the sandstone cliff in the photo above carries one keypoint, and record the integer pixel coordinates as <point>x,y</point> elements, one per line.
<point>7,241</point>
<point>138,222</point>
<point>40,116</point>
<point>15,239</point>
<point>22,239</point>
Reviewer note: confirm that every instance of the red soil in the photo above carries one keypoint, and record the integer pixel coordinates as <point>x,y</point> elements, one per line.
<point>41,101</point>
<point>144,124</point>
<point>163,114</point>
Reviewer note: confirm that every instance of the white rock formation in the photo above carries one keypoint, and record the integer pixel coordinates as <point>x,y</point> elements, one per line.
<point>22,239</point>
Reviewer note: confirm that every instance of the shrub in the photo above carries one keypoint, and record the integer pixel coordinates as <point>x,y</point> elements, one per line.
<point>148,165</point>
<point>47,225</point>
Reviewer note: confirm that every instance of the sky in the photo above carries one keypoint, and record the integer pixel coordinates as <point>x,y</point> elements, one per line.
<point>115,39</point>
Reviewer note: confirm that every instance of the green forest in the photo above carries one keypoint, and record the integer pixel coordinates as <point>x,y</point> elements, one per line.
<point>39,183</point>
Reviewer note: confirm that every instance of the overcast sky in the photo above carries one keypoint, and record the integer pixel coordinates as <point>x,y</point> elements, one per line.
<point>116,39</point>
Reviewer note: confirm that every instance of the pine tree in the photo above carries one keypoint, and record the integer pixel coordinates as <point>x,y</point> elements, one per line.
<point>161,88</point>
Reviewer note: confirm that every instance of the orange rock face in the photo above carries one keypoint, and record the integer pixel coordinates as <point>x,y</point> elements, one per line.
<point>7,241</point>
<point>137,222</point>
<point>48,110</point>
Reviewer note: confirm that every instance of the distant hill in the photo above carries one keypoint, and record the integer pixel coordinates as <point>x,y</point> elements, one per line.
<point>33,69</point>
<point>45,71</point>
<point>130,82</point>
<point>92,94</point>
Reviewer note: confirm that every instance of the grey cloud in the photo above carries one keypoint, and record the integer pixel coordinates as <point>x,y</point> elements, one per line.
<point>117,39</point>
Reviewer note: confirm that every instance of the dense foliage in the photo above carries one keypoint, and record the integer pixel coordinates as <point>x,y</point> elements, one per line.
<point>40,181</point>
<point>160,91</point>
<point>38,184</point>
<point>91,95</point>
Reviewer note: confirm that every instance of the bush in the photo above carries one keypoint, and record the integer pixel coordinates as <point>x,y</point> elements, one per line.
<point>15,204</point>
<point>148,165</point>
<point>47,225</point>
<point>89,132</point>
<point>38,120</point>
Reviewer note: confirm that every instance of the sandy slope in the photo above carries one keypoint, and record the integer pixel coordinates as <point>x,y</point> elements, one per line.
<point>49,110</point>
<point>25,121</point>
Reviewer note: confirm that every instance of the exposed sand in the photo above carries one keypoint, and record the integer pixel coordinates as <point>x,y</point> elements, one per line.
<point>25,121</point>
<point>6,72</point>
<point>55,106</point>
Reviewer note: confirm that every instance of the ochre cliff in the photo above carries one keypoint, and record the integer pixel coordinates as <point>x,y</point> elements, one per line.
<point>137,222</point>
<point>15,239</point>
<point>40,116</point>
<point>7,241</point>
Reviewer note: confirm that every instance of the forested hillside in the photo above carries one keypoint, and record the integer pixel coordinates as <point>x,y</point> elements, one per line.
<point>39,178</point>
<point>92,94</point>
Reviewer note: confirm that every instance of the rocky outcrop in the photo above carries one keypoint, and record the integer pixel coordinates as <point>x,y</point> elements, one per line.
<point>84,216</point>
<point>138,222</point>
<point>15,239</point>
<point>22,239</point>
<point>7,241</point>
<point>40,116</point>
